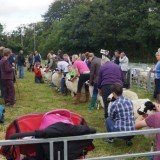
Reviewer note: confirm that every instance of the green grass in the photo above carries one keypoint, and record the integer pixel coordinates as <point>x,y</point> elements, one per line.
<point>37,98</point>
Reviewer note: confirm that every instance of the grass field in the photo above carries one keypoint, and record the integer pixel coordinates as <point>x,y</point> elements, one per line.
<point>37,98</point>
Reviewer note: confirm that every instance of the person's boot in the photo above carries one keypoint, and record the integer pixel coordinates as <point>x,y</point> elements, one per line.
<point>77,98</point>
<point>92,103</point>
<point>87,97</point>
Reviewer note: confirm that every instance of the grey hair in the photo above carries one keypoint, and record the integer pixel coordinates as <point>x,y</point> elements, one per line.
<point>75,56</point>
<point>157,53</point>
<point>104,59</point>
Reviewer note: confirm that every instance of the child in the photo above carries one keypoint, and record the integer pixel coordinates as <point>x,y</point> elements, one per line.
<point>38,75</point>
<point>71,71</point>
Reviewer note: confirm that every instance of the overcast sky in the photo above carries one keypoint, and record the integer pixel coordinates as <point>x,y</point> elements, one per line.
<point>13,13</point>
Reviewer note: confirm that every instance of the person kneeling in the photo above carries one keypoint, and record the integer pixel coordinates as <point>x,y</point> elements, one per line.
<point>121,115</point>
<point>38,75</point>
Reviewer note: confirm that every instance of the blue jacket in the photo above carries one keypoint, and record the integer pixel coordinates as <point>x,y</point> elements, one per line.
<point>157,70</point>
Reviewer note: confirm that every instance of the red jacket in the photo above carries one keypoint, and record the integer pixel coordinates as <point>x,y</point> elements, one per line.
<point>37,72</point>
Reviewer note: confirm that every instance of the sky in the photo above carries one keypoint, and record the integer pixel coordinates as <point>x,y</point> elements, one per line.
<point>13,13</point>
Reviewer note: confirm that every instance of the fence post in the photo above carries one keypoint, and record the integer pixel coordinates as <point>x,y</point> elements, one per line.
<point>51,149</point>
<point>138,78</point>
<point>65,151</point>
<point>149,81</point>
<point>131,76</point>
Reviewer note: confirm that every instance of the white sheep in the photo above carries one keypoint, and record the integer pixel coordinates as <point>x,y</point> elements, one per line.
<point>139,104</point>
<point>56,78</point>
<point>72,86</point>
<point>46,75</point>
<point>130,94</point>
<point>127,93</point>
<point>142,75</point>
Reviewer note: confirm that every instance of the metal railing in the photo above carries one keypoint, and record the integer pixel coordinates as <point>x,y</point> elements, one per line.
<point>143,81</point>
<point>85,137</point>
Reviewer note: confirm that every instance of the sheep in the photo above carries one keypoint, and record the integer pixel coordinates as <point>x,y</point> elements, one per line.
<point>56,78</point>
<point>142,76</point>
<point>72,86</point>
<point>139,106</point>
<point>46,75</point>
<point>127,93</point>
<point>147,108</point>
<point>130,94</point>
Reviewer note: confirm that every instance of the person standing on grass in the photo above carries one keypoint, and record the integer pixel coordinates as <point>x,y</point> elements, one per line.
<point>123,63</point>
<point>109,74</point>
<point>116,57</point>
<point>83,72</point>
<point>1,83</point>
<point>94,70</point>
<point>37,57</point>
<point>51,62</point>
<point>7,75</point>
<point>20,62</point>
<point>156,70</point>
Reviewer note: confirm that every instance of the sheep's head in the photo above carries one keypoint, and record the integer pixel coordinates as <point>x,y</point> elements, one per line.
<point>147,106</point>
<point>111,98</point>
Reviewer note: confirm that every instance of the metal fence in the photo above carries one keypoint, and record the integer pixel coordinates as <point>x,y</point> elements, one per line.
<point>84,137</point>
<point>143,79</point>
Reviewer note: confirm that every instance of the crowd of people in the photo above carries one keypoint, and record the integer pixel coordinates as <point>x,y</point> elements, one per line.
<point>106,75</point>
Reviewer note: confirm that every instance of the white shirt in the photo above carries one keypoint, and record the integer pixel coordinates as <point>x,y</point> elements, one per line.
<point>63,66</point>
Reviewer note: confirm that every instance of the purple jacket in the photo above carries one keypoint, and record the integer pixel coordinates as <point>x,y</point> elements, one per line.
<point>7,72</point>
<point>109,73</point>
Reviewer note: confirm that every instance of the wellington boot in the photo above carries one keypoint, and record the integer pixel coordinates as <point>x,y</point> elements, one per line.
<point>77,98</point>
<point>92,103</point>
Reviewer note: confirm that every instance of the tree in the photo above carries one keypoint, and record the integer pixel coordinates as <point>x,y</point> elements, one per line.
<point>58,9</point>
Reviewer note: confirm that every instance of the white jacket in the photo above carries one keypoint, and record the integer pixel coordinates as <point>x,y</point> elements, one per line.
<point>123,62</point>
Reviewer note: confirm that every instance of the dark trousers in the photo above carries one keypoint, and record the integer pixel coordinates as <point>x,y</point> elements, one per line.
<point>39,80</point>
<point>2,88</point>
<point>82,79</point>
<point>126,78</point>
<point>63,84</point>
<point>106,91</point>
<point>157,88</point>
<point>124,73</point>
<point>9,91</point>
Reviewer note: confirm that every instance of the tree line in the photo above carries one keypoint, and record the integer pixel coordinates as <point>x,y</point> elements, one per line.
<point>77,26</point>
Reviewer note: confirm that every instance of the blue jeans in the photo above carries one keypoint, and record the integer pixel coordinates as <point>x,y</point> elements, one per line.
<point>21,71</point>
<point>110,125</point>
<point>110,128</point>
<point>95,90</point>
